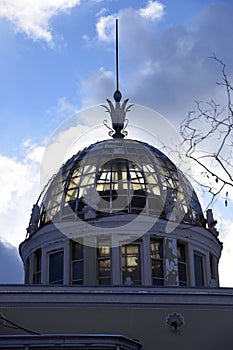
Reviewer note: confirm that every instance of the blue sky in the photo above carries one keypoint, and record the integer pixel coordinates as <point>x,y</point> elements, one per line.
<point>57,57</point>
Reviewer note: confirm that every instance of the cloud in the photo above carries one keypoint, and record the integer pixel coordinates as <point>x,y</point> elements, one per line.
<point>153,10</point>
<point>12,267</point>
<point>32,17</point>
<point>74,134</point>
<point>97,1</point>
<point>105,26</point>
<point>101,12</point>
<point>168,68</point>
<point>64,106</point>
<point>20,188</point>
<point>225,264</point>
<point>97,87</point>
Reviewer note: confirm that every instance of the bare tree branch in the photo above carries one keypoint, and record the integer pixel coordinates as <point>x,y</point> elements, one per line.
<point>208,136</point>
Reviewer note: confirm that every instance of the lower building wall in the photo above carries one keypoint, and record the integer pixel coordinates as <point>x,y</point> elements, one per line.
<point>203,329</point>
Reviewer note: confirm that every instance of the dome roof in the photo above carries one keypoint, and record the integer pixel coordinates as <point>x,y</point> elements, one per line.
<point>119,176</point>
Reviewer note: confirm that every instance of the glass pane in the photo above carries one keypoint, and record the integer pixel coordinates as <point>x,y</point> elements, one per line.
<point>212,266</point>
<point>104,262</point>
<point>38,260</point>
<point>103,251</point>
<point>104,280</point>
<point>199,277</point>
<point>157,268</point>
<point>131,264</point>
<point>182,274</point>
<point>37,267</point>
<point>56,268</point>
<point>27,271</point>
<point>181,252</point>
<point>104,274</point>
<point>158,282</point>
<point>77,271</point>
<point>77,251</point>
<point>156,249</point>
<point>157,262</point>
<point>132,249</point>
<point>182,267</point>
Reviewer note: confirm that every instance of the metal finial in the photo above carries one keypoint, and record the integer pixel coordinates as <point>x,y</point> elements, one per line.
<point>117,112</point>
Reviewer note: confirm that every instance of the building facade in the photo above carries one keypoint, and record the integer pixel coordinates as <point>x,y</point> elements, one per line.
<point>118,255</point>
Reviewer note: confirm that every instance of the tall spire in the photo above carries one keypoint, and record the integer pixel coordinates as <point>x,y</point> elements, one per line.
<point>117,94</point>
<point>117,112</point>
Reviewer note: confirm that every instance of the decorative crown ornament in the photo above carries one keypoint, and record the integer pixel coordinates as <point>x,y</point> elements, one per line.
<point>118,116</point>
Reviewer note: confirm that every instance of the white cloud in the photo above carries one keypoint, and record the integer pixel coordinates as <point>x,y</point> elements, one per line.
<point>106,28</point>
<point>98,1</point>
<point>20,188</point>
<point>97,87</point>
<point>32,16</point>
<point>153,10</point>
<point>75,133</point>
<point>226,261</point>
<point>64,106</point>
<point>101,12</point>
<point>171,64</point>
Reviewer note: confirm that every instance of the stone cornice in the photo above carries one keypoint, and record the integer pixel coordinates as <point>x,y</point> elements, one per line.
<point>66,296</point>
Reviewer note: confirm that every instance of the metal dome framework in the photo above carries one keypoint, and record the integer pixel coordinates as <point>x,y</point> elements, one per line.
<point>119,176</point>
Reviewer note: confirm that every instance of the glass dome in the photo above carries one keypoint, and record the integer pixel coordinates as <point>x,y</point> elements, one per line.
<point>119,176</point>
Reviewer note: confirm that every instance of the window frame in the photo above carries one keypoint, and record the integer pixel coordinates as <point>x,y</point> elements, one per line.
<point>79,261</point>
<point>180,262</point>
<point>36,278</point>
<point>200,255</point>
<point>161,260</point>
<point>105,258</point>
<point>138,244</point>
<point>27,271</point>
<point>53,252</point>
<point>213,267</point>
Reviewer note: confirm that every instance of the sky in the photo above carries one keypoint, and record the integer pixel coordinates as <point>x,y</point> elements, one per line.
<point>58,57</point>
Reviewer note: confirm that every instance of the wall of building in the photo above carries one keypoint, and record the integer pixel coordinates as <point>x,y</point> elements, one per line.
<point>132,312</point>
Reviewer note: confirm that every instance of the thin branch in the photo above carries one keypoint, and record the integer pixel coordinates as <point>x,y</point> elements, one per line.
<point>208,136</point>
